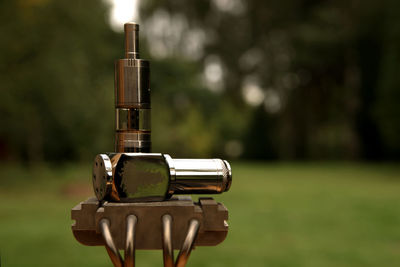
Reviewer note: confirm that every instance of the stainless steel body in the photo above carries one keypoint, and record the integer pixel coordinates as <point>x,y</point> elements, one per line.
<point>146,217</point>
<point>130,177</point>
<point>199,176</point>
<point>132,97</point>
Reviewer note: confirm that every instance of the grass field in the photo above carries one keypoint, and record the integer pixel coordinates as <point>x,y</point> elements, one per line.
<point>311,214</point>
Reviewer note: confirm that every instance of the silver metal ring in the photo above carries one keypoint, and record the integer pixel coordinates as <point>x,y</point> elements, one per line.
<point>171,165</point>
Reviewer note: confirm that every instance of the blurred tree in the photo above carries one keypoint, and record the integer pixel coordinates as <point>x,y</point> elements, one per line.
<point>386,113</point>
<point>287,79</point>
<point>309,73</point>
<point>56,76</point>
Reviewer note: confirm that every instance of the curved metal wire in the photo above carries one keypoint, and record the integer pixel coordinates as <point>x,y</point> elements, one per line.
<point>168,252</point>
<point>187,245</point>
<point>131,221</point>
<point>110,245</point>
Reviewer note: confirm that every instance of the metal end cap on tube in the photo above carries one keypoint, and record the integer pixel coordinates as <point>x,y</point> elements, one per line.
<point>131,26</point>
<point>102,176</point>
<point>228,176</point>
<point>199,176</point>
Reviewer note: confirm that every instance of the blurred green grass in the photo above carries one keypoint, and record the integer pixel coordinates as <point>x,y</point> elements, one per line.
<point>281,214</point>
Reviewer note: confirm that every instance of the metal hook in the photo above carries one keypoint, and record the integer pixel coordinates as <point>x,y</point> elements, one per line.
<point>131,221</point>
<point>110,245</point>
<point>168,252</point>
<point>187,245</point>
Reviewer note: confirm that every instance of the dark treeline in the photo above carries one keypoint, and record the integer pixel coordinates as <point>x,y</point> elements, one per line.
<point>288,79</point>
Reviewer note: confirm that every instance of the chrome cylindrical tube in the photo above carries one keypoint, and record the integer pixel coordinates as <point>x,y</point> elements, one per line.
<point>131,40</point>
<point>156,176</point>
<point>132,97</point>
<point>200,176</point>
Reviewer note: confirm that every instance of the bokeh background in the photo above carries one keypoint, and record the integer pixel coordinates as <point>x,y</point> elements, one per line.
<point>300,95</point>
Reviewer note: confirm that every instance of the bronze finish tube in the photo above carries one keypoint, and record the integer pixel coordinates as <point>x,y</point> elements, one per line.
<point>187,245</point>
<point>131,221</point>
<point>168,252</point>
<point>110,245</point>
<point>132,97</point>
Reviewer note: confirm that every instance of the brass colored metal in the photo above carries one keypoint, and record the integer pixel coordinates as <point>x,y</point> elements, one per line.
<point>112,250</point>
<point>168,252</point>
<point>128,177</point>
<point>131,221</point>
<point>187,245</point>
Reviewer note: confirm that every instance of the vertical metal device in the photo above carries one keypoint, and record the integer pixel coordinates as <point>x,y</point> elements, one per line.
<point>132,97</point>
<point>135,206</point>
<point>132,173</point>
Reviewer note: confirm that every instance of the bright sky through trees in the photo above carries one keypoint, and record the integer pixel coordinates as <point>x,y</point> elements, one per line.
<point>122,11</point>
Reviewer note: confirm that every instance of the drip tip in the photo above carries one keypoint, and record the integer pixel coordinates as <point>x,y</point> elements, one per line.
<point>131,40</point>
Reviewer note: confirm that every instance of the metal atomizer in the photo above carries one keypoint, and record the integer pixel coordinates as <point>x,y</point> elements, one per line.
<point>132,97</point>
<point>132,173</point>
